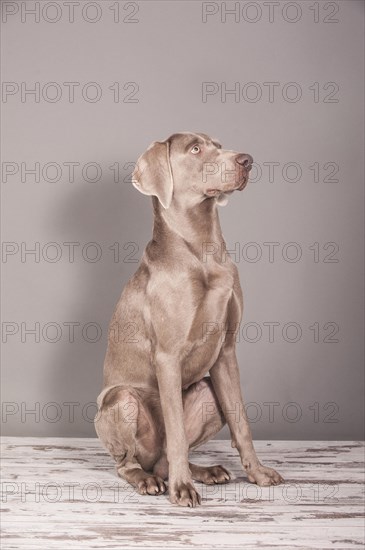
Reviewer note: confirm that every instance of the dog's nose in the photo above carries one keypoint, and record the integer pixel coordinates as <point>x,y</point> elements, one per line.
<point>245,160</point>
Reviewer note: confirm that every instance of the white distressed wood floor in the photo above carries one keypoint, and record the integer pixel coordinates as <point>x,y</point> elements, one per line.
<point>64,493</point>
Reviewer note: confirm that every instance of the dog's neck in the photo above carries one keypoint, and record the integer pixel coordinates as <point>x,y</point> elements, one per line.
<point>197,227</point>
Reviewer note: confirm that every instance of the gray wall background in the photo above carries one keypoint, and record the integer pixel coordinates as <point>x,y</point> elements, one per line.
<point>309,389</point>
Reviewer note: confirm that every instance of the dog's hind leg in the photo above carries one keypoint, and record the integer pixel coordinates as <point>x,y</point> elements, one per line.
<point>126,428</point>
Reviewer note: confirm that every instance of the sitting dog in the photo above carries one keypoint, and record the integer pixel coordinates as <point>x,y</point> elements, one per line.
<point>172,381</point>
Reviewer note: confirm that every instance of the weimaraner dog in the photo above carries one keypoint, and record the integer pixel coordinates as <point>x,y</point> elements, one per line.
<point>171,378</point>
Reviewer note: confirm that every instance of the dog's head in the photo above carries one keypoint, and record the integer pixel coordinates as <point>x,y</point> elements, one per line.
<point>191,167</point>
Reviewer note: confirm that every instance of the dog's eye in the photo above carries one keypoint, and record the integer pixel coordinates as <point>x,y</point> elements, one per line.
<point>195,150</point>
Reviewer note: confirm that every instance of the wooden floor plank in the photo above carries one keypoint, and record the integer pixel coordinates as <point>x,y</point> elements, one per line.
<point>63,492</point>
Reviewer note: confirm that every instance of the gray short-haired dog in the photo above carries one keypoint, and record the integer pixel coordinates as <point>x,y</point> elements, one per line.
<point>170,386</point>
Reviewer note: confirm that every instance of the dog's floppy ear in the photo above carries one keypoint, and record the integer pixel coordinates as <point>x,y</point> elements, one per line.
<point>152,175</point>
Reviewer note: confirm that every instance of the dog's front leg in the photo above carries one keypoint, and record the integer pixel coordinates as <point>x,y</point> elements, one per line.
<point>181,487</point>
<point>226,382</point>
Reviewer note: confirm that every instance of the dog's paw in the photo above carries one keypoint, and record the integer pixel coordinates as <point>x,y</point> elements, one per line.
<point>210,474</point>
<point>184,494</point>
<point>264,476</point>
<point>151,485</point>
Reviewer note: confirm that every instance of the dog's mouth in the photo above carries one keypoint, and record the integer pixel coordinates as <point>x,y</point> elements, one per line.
<point>243,184</point>
<point>215,192</point>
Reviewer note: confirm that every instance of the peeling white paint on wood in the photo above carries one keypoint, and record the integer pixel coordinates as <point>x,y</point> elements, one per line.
<point>60,493</point>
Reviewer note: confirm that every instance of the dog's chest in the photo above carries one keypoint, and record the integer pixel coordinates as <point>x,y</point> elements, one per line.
<point>218,288</point>
<point>217,310</point>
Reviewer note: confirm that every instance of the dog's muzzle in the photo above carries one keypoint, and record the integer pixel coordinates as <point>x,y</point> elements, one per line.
<point>245,162</point>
